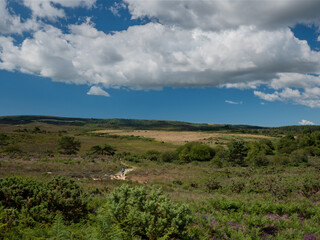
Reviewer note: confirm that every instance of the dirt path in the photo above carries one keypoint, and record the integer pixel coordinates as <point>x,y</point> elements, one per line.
<point>119,175</point>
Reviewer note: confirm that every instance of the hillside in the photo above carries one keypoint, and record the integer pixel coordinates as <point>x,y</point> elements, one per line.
<point>124,123</point>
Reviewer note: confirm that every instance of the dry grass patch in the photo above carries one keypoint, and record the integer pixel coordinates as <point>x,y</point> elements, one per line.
<point>178,137</point>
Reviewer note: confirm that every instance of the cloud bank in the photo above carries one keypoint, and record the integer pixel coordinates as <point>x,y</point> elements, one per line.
<point>218,43</point>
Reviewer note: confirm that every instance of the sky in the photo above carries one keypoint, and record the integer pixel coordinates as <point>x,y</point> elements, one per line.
<point>254,62</point>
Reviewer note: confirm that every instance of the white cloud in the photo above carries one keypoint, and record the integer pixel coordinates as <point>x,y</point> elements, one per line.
<point>193,44</point>
<point>223,14</point>
<point>94,90</point>
<point>309,97</point>
<point>116,7</point>
<point>154,55</point>
<point>51,8</point>
<point>232,102</point>
<point>12,23</point>
<point>306,122</point>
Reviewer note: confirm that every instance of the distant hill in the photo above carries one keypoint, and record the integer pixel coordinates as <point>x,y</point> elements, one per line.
<point>125,123</point>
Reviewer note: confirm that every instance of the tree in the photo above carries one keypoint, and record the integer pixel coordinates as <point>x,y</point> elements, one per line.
<point>69,145</point>
<point>105,149</point>
<point>237,153</point>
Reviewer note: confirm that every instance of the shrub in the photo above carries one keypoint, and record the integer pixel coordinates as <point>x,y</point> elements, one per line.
<point>195,151</point>
<point>68,145</point>
<point>39,202</point>
<point>287,144</point>
<point>168,156</point>
<point>153,155</point>
<point>258,160</point>
<point>280,160</point>
<point>139,214</point>
<point>212,185</point>
<point>237,153</point>
<point>298,156</point>
<point>67,197</point>
<point>131,157</point>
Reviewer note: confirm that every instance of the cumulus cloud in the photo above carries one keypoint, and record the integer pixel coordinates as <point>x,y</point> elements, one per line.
<point>94,90</point>
<point>309,97</point>
<point>223,14</point>
<point>218,43</point>
<point>51,8</point>
<point>306,122</point>
<point>12,23</point>
<point>232,102</point>
<point>154,55</point>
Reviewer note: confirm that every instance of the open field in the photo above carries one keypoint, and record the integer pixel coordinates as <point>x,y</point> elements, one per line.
<point>180,138</point>
<point>274,193</point>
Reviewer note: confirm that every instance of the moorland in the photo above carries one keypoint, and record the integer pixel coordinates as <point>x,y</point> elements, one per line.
<point>60,178</point>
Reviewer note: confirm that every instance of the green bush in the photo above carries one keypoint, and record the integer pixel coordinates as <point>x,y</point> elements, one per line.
<point>220,157</point>
<point>153,155</point>
<point>195,151</point>
<point>287,144</point>
<point>237,153</point>
<point>298,156</point>
<point>131,157</point>
<point>29,201</point>
<point>168,156</point>
<point>135,213</point>
<point>69,145</point>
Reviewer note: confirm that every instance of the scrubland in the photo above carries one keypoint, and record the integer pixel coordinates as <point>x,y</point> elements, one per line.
<point>223,184</point>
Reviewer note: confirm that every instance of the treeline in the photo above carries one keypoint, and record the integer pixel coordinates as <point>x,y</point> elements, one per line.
<point>124,123</point>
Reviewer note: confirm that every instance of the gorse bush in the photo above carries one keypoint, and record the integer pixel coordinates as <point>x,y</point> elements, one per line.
<point>195,151</point>
<point>140,214</point>
<point>36,202</point>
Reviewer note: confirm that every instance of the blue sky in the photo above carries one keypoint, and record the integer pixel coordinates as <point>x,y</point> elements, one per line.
<point>217,61</point>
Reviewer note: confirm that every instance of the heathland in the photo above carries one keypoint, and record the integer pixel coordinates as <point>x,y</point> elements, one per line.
<point>61,178</point>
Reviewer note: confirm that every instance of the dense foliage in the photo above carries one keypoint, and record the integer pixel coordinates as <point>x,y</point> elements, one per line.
<point>27,201</point>
<point>195,151</point>
<point>140,214</point>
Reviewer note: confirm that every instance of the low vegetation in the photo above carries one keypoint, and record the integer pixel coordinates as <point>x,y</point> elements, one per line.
<point>56,184</point>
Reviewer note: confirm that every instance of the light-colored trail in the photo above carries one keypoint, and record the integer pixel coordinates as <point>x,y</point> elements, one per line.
<point>119,175</point>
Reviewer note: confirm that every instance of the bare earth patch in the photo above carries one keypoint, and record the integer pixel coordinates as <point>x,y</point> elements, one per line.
<point>177,137</point>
